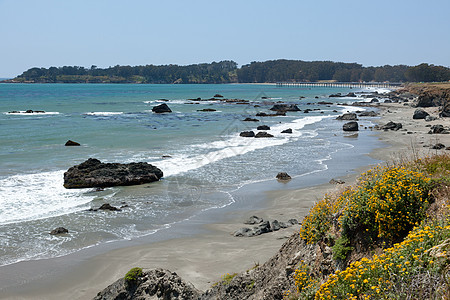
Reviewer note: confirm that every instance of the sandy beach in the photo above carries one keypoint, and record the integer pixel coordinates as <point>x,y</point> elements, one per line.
<point>202,259</point>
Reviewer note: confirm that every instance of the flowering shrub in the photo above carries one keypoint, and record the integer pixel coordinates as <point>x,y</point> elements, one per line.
<point>394,274</point>
<point>319,219</point>
<point>387,204</point>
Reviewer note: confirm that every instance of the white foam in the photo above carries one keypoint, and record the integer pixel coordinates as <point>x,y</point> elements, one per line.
<point>104,113</point>
<point>36,196</point>
<point>24,113</point>
<point>234,145</point>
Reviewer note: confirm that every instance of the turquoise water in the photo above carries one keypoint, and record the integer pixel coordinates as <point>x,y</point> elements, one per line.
<point>114,123</point>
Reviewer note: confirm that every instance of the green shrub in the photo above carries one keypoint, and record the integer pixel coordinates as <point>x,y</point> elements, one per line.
<point>341,248</point>
<point>133,275</point>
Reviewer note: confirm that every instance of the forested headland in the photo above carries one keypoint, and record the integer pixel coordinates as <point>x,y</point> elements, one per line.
<point>229,72</point>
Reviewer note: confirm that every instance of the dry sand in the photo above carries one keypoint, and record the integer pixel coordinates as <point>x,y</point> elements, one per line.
<point>204,258</point>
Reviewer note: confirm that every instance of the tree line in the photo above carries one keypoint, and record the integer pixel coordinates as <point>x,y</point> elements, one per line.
<point>228,72</point>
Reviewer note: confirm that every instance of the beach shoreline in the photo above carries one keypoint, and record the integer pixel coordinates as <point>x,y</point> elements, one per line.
<point>205,256</point>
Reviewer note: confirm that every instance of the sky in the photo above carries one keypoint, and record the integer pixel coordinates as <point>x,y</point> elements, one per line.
<point>44,33</point>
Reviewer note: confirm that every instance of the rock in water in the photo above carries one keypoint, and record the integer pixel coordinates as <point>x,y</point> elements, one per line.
<point>350,126</point>
<point>94,173</point>
<point>263,134</point>
<point>162,108</point>
<point>71,143</point>
<point>247,134</point>
<point>348,117</point>
<point>289,130</point>
<point>263,127</point>
<point>283,176</point>
<point>420,114</point>
<point>59,230</point>
<point>285,107</point>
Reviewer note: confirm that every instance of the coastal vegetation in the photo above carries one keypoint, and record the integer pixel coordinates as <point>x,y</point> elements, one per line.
<point>228,72</point>
<point>390,235</point>
<point>133,275</point>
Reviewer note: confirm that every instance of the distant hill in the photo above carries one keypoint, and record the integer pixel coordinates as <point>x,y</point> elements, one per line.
<point>228,72</point>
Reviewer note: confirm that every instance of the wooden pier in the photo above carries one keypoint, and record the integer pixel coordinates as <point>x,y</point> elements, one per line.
<point>340,84</point>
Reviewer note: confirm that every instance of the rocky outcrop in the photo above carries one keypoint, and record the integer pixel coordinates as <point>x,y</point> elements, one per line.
<point>94,173</point>
<point>285,107</point>
<point>420,114</point>
<point>207,109</point>
<point>162,108</point>
<point>348,117</point>
<point>158,284</point>
<point>71,143</point>
<point>350,126</point>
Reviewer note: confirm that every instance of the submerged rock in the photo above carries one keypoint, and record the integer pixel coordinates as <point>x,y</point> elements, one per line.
<point>59,230</point>
<point>94,173</point>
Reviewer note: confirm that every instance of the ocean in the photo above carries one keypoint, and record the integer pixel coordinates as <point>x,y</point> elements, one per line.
<point>205,161</point>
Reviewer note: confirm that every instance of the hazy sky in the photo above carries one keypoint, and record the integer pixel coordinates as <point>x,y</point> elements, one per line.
<point>44,33</point>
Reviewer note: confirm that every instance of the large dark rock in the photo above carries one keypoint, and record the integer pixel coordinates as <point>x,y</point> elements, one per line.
<point>71,143</point>
<point>353,95</point>
<point>438,146</point>
<point>350,126</point>
<point>263,134</point>
<point>162,108</point>
<point>391,126</point>
<point>263,127</point>
<point>285,107</point>
<point>247,134</point>
<point>348,117</point>
<point>94,173</point>
<point>420,114</point>
<point>158,284</point>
